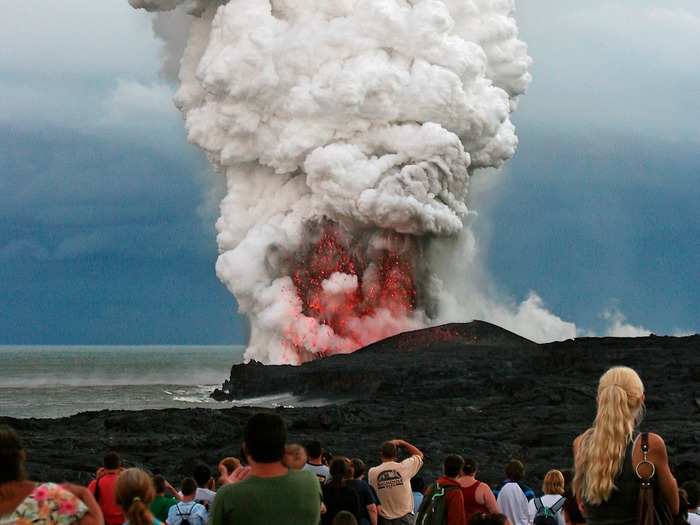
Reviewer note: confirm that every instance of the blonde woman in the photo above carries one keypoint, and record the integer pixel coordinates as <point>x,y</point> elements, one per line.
<point>553,488</point>
<point>606,454</point>
<point>135,492</point>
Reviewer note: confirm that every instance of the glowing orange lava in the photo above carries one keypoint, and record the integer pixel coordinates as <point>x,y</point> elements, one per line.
<point>383,280</point>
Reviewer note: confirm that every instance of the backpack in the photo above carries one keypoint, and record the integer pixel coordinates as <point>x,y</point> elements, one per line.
<point>185,517</point>
<point>547,515</point>
<point>433,509</point>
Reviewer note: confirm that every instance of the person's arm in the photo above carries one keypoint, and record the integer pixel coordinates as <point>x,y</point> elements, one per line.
<point>669,487</point>
<point>413,451</point>
<point>93,516</point>
<point>372,511</point>
<point>217,512</point>
<point>173,491</point>
<point>485,497</point>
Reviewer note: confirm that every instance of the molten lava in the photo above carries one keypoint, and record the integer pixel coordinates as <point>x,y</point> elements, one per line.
<point>341,279</point>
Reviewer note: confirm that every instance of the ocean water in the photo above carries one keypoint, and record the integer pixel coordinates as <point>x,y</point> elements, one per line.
<point>57,381</point>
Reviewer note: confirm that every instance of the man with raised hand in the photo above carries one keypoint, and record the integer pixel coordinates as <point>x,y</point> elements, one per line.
<point>392,482</point>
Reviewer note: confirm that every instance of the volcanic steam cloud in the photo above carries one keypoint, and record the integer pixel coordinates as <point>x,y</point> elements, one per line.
<point>346,131</point>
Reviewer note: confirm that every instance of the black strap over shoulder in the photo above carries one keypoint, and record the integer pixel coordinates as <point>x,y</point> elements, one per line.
<point>645,443</point>
<point>558,504</point>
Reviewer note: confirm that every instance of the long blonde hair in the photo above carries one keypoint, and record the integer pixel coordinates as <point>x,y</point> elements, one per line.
<point>601,448</point>
<point>134,493</point>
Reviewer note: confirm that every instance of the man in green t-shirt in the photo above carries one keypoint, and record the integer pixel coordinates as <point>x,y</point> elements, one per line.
<point>162,502</point>
<point>270,493</point>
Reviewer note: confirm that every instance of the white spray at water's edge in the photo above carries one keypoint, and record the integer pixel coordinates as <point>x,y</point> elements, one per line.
<point>370,116</point>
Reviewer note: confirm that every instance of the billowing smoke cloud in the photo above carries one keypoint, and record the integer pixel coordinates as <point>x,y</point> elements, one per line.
<point>347,131</point>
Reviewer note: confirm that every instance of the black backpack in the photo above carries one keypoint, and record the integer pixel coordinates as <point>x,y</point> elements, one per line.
<point>433,509</point>
<point>185,517</point>
<point>547,515</point>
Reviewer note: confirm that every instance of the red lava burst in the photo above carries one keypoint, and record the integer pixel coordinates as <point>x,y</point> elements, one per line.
<point>385,280</point>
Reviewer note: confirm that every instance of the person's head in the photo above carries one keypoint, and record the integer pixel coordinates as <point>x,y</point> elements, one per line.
<point>482,518</point>
<point>344,518</point>
<point>692,489</point>
<point>452,466</point>
<point>515,470</point>
<point>264,438</point>
<point>229,464</point>
<point>470,467</point>
<point>388,451</point>
<point>111,460</point>
<point>134,492</point>
<point>358,468</point>
<point>341,470</point>
<point>326,457</point>
<point>12,456</point>
<point>294,457</point>
<point>201,475</point>
<point>188,487</point>
<point>314,450</point>
<point>601,449</point>
<point>159,484</point>
<point>417,484</point>
<point>553,482</point>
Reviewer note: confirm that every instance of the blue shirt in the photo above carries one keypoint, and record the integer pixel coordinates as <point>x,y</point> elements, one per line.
<point>195,513</point>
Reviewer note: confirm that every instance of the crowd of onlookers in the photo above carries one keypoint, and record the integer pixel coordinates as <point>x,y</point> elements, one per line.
<point>275,482</point>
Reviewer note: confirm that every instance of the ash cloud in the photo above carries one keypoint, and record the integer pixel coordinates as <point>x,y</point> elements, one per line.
<point>347,132</point>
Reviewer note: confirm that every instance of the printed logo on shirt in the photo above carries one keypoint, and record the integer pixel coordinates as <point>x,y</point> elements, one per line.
<point>388,479</point>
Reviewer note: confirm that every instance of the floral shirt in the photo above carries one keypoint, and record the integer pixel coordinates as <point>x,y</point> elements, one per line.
<point>48,504</point>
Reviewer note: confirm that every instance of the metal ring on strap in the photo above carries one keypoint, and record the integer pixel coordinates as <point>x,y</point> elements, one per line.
<point>653,469</point>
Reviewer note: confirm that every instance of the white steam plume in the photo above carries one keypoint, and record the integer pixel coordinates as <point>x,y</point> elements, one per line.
<point>346,131</point>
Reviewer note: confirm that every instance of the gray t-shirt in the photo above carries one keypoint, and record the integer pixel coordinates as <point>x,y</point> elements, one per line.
<point>322,472</point>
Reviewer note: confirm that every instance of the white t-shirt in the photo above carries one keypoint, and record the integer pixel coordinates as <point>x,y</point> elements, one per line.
<point>204,495</point>
<point>322,472</point>
<point>694,516</point>
<point>547,500</point>
<point>392,482</point>
<point>513,504</point>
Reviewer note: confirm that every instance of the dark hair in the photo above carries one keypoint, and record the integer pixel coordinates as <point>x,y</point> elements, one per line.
<point>111,460</point>
<point>571,505</point>
<point>313,449</point>
<point>683,506</point>
<point>692,488</point>
<point>326,457</point>
<point>11,455</point>
<point>201,475</point>
<point>340,470</point>
<point>358,467</point>
<point>344,518</point>
<point>388,450</point>
<point>159,483</point>
<point>515,470</point>
<point>265,437</point>
<point>417,484</point>
<point>470,466</point>
<point>188,486</point>
<point>453,465</point>
<point>481,518</point>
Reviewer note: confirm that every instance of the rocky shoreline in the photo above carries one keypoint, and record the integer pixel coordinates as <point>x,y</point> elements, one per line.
<point>472,388</point>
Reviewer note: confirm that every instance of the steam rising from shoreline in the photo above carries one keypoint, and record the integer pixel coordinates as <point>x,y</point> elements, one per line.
<point>347,132</point>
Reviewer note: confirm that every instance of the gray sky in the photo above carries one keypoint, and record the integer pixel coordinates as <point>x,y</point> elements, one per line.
<point>106,214</point>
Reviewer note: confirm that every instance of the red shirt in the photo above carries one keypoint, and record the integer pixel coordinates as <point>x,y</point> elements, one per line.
<point>108,502</point>
<point>454,502</point>
<point>471,506</point>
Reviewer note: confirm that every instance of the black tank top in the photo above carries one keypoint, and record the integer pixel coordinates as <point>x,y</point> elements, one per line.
<point>621,507</point>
